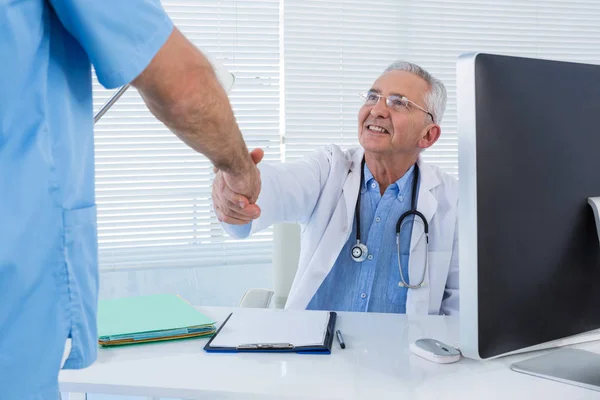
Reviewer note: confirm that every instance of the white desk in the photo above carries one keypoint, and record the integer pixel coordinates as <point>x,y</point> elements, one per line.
<point>376,364</point>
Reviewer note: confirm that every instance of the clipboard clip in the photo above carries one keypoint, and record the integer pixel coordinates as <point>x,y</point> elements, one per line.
<point>265,346</point>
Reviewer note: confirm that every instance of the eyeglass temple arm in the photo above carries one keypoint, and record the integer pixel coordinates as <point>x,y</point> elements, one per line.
<point>113,99</point>
<point>421,108</point>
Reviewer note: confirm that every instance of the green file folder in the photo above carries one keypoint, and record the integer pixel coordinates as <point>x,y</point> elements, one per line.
<point>149,318</point>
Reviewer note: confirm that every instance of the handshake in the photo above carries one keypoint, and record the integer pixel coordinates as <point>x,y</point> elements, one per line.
<point>234,195</point>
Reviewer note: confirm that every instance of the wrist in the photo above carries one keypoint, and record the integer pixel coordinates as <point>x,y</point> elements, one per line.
<point>241,166</point>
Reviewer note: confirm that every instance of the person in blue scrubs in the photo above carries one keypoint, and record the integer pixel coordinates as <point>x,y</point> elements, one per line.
<point>48,234</point>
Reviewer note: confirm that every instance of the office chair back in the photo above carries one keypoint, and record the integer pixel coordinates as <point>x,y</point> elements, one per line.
<point>286,253</point>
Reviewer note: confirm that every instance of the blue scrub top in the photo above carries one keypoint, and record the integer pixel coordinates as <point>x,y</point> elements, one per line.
<point>48,234</point>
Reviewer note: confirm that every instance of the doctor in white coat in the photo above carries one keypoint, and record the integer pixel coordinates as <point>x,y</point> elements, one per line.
<point>401,268</point>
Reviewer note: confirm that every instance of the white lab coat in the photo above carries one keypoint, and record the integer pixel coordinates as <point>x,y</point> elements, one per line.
<point>320,193</point>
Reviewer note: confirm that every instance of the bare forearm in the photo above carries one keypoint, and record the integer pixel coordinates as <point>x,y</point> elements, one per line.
<point>182,91</point>
<point>202,118</point>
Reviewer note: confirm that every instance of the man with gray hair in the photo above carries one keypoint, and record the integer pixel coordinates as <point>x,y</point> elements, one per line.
<point>379,225</point>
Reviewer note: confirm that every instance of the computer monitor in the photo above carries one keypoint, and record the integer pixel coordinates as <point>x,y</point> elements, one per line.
<point>529,158</point>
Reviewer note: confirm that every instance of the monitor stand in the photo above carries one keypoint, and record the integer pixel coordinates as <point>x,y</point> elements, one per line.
<point>595,203</point>
<point>571,366</point>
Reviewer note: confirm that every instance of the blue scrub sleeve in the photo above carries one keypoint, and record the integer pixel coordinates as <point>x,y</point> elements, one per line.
<point>121,37</point>
<point>238,231</point>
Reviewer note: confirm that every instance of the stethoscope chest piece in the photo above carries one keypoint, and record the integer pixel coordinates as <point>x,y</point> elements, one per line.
<point>359,252</point>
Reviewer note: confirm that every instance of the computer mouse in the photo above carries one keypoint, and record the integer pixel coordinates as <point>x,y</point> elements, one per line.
<point>435,351</point>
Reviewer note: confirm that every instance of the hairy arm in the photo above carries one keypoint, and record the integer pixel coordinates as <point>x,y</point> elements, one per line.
<point>181,89</point>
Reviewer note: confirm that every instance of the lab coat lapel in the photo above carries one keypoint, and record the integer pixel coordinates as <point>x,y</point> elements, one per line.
<point>426,202</point>
<point>350,190</point>
<point>335,235</point>
<point>417,301</point>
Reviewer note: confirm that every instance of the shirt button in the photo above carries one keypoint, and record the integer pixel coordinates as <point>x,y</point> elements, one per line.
<point>363,295</point>
<point>401,198</point>
<point>377,219</point>
<point>370,257</point>
<point>373,185</point>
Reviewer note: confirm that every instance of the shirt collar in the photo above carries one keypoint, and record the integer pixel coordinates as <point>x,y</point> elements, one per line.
<point>400,183</point>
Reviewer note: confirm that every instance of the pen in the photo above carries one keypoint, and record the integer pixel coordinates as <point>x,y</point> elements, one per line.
<point>340,339</point>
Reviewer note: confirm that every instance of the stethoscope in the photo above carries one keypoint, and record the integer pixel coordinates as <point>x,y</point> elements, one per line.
<point>360,251</point>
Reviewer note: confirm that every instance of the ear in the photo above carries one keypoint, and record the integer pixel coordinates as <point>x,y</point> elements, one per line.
<point>430,135</point>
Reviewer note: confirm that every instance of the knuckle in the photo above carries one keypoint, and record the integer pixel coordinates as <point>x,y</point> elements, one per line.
<point>230,220</point>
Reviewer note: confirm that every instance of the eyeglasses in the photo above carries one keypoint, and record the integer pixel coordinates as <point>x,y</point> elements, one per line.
<point>394,102</point>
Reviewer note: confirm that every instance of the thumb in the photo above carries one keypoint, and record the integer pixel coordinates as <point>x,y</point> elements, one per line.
<point>257,155</point>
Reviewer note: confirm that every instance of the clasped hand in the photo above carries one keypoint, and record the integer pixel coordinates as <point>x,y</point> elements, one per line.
<point>234,196</point>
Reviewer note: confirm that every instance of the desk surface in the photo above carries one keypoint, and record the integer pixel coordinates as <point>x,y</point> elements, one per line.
<point>375,364</point>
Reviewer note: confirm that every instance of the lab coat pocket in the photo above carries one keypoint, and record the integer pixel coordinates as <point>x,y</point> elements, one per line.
<point>439,264</point>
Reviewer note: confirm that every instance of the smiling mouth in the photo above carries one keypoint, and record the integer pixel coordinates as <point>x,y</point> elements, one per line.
<point>377,129</point>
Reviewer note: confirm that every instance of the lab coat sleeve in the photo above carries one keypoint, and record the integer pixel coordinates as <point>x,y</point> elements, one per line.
<point>450,302</point>
<point>289,193</point>
<point>120,37</point>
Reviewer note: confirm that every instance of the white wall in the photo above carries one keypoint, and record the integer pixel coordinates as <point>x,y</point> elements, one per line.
<point>210,286</point>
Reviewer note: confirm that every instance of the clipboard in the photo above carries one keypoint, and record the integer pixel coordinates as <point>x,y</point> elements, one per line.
<point>322,347</point>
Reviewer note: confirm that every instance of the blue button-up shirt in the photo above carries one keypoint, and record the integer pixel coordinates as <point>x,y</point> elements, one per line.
<point>372,285</point>
<point>48,244</point>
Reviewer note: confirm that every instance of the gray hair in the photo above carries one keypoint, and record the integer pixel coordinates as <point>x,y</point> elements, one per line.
<point>435,99</point>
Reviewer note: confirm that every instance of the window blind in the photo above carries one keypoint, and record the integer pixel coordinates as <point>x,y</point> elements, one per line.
<point>334,49</point>
<point>153,192</point>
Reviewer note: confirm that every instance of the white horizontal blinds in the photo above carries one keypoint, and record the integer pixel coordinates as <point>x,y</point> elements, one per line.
<point>333,50</point>
<point>439,31</point>
<point>340,46</point>
<point>153,192</point>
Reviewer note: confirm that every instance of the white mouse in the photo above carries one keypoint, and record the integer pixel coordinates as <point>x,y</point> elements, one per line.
<point>435,351</point>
